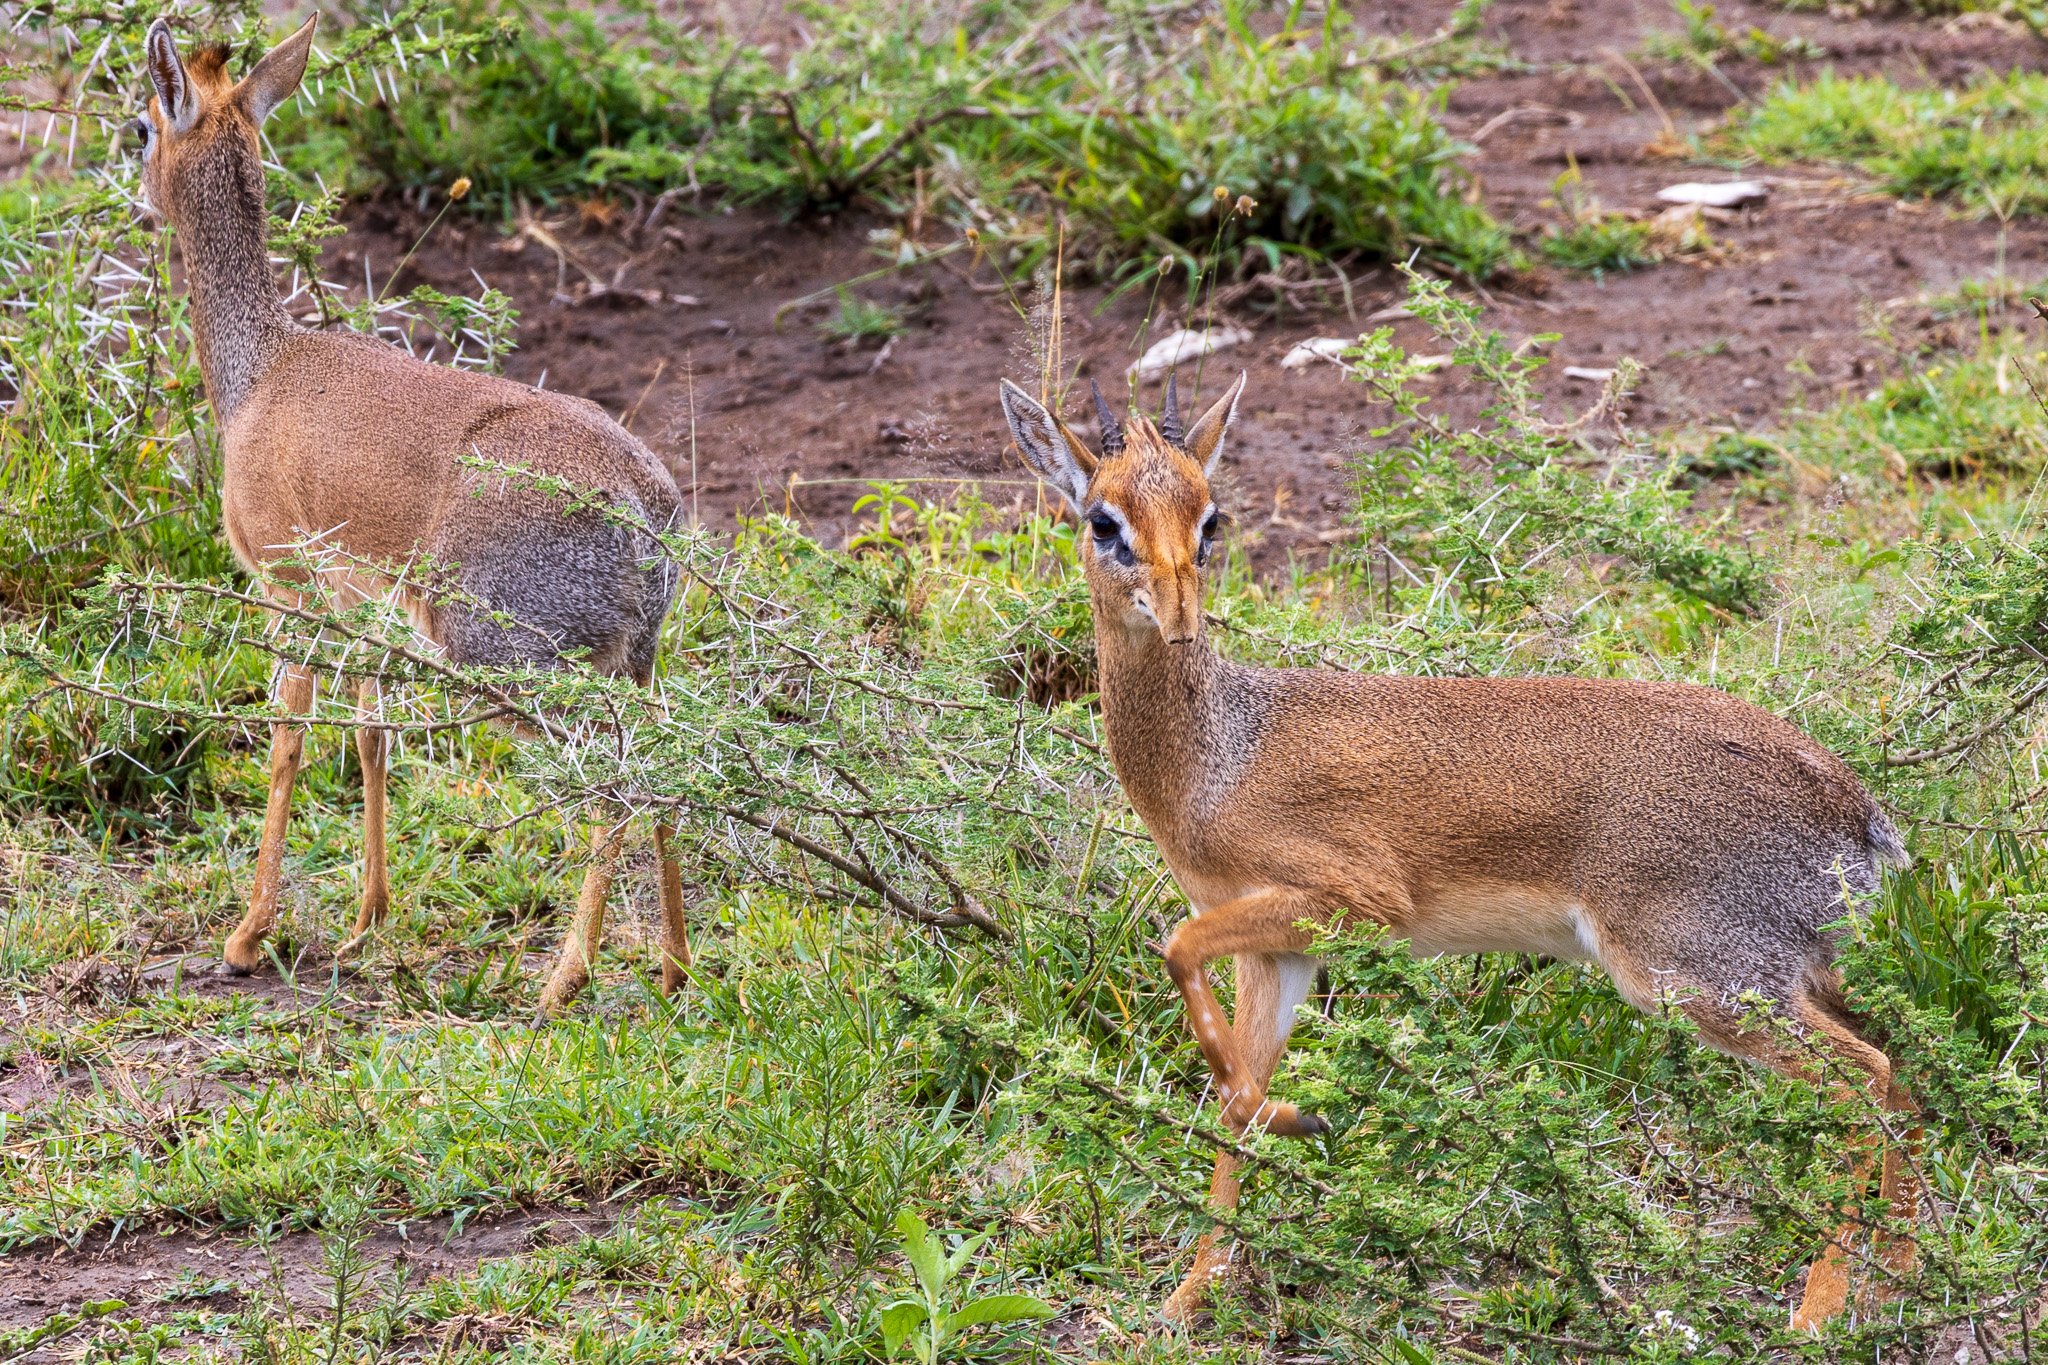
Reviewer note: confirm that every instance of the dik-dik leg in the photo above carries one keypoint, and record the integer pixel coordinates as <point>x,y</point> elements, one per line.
<point>1827,1279</point>
<point>1264,924</point>
<point>586,928</point>
<point>1268,990</point>
<point>1836,1043</point>
<point>373,749</point>
<point>293,690</point>
<point>675,927</point>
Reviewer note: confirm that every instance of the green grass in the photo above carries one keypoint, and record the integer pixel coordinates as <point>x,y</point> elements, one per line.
<point>859,322</point>
<point>1609,243</point>
<point>1980,146</point>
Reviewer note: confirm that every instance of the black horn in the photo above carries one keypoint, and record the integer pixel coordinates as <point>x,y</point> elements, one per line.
<point>1112,430</point>
<point>1169,420</point>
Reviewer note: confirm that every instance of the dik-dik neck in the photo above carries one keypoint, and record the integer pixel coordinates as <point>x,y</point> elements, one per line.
<point>238,321</point>
<point>1179,723</point>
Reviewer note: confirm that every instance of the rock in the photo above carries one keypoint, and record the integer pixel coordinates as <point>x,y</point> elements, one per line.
<point>1307,353</point>
<point>1727,194</point>
<point>1591,376</point>
<point>1182,346</point>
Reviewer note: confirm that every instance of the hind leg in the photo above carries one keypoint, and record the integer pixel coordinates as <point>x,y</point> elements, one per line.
<point>1837,1054</point>
<point>675,925</point>
<point>586,930</point>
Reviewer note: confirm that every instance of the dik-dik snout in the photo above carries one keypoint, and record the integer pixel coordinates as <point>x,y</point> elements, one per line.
<point>1149,522</point>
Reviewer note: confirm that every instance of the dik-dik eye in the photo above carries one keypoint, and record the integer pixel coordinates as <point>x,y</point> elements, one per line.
<point>142,132</point>
<point>1109,538</point>
<point>1211,525</point>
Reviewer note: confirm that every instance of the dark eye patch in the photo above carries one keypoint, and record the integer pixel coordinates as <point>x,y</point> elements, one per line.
<point>1109,538</point>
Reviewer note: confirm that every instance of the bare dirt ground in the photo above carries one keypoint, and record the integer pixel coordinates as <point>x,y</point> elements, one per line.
<point>755,410</point>
<point>153,1275</point>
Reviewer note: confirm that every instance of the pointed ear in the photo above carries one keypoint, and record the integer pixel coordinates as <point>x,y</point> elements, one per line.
<point>1053,452</point>
<point>271,81</point>
<point>1205,440</point>
<point>175,96</point>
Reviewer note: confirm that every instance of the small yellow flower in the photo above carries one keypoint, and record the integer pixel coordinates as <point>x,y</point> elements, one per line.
<point>974,234</point>
<point>1222,193</point>
<point>1244,206</point>
<point>458,189</point>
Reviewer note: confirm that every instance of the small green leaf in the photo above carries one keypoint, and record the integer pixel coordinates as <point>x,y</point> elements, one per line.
<point>968,1247</point>
<point>899,1320</point>
<point>922,1250</point>
<point>1000,1308</point>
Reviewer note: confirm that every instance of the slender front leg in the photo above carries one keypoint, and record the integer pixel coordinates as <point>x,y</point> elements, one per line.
<point>1264,924</point>
<point>243,952</point>
<point>675,924</point>
<point>1268,990</point>
<point>373,749</point>
<point>586,930</point>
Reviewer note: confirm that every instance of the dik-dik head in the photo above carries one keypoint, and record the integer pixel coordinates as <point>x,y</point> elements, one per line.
<point>200,158</point>
<point>1148,520</point>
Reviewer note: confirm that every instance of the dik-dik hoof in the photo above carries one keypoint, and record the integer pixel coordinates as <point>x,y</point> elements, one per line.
<point>238,958</point>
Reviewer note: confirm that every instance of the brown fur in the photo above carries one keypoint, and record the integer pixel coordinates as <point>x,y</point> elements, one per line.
<point>345,462</point>
<point>1691,844</point>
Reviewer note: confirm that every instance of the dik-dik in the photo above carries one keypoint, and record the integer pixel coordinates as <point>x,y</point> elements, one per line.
<point>344,450</point>
<point>1692,845</point>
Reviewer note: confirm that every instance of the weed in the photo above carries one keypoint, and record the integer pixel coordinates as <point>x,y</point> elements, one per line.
<point>936,1315</point>
<point>1611,242</point>
<point>859,322</point>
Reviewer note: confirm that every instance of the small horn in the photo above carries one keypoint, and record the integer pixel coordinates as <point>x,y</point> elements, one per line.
<point>1169,420</point>
<point>1112,430</point>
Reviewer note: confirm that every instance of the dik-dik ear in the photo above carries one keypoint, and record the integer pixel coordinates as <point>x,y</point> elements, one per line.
<point>175,97</point>
<point>1205,441</point>
<point>1049,448</point>
<point>273,80</point>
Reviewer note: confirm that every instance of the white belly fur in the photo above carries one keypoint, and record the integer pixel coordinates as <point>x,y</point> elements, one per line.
<point>1501,917</point>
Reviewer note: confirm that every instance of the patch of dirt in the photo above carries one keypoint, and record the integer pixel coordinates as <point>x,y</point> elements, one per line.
<point>681,327</point>
<point>157,1274</point>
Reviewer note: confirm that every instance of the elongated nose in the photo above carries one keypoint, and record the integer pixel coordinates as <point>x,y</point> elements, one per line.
<point>1181,622</point>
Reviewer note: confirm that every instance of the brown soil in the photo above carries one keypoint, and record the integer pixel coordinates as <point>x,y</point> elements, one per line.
<point>158,1274</point>
<point>677,329</point>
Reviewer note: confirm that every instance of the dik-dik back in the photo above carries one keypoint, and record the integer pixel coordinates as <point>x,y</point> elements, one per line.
<point>392,458</point>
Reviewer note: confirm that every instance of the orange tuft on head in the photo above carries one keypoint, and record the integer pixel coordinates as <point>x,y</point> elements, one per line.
<point>208,67</point>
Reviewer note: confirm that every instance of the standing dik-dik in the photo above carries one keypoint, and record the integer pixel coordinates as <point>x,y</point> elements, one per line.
<point>1691,844</point>
<point>342,449</point>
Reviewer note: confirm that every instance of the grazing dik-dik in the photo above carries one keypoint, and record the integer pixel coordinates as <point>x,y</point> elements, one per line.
<point>1694,846</point>
<point>343,450</point>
